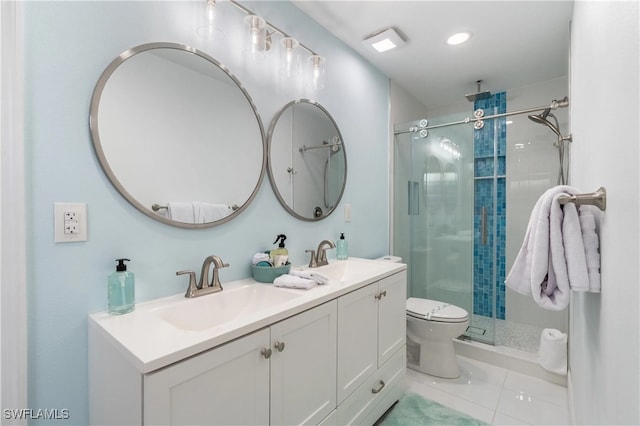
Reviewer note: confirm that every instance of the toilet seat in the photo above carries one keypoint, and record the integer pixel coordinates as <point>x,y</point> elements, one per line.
<point>433,310</point>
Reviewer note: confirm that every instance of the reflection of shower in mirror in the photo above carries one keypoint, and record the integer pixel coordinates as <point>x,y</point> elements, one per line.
<point>334,148</point>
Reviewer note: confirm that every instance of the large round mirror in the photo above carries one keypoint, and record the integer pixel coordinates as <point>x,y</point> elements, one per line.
<point>307,160</point>
<point>178,135</point>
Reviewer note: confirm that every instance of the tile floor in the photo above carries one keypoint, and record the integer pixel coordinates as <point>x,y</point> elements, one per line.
<point>495,395</point>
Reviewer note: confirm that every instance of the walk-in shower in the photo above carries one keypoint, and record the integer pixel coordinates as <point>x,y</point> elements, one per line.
<point>450,210</point>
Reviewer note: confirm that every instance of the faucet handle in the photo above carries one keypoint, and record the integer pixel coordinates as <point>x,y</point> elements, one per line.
<point>312,261</point>
<point>192,282</point>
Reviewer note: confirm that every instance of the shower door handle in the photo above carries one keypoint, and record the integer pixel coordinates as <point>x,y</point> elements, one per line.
<point>414,198</point>
<point>483,226</point>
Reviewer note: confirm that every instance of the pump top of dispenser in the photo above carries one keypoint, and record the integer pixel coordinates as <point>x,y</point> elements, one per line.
<point>342,235</point>
<point>121,267</point>
<point>280,237</point>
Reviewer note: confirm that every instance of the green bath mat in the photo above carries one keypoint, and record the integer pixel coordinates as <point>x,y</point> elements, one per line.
<point>414,410</point>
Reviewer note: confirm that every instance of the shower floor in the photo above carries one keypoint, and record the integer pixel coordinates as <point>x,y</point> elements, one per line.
<point>507,333</point>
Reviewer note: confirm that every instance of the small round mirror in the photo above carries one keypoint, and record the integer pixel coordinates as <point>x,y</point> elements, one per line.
<point>307,160</point>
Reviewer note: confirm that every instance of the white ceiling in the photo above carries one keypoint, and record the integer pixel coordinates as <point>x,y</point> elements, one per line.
<point>514,43</point>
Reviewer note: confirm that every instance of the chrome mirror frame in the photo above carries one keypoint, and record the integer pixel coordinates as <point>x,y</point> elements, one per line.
<point>283,202</point>
<point>97,143</point>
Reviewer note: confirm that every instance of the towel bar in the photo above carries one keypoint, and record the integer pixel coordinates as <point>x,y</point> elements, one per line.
<point>157,207</point>
<point>597,198</point>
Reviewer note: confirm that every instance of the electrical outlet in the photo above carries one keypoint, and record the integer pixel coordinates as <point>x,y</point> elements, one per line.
<point>70,222</point>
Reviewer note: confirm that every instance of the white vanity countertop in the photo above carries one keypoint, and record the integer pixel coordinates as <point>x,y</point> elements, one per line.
<point>150,342</point>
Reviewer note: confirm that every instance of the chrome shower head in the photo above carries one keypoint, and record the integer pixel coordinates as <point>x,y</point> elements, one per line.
<point>479,95</point>
<point>542,119</point>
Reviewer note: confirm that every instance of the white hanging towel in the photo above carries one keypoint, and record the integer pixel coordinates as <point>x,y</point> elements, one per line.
<point>553,257</point>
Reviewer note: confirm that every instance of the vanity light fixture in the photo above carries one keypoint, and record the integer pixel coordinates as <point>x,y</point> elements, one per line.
<point>459,38</point>
<point>290,57</point>
<point>207,15</point>
<point>258,34</point>
<point>317,72</point>
<point>255,33</point>
<point>384,40</point>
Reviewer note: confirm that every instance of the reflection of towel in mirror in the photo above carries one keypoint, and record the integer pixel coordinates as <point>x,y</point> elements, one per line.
<point>181,212</point>
<point>208,212</point>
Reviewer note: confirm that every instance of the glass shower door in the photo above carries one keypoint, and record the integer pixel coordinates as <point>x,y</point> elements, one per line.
<point>434,195</point>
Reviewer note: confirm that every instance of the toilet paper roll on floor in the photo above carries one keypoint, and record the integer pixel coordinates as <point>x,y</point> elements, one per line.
<point>552,355</point>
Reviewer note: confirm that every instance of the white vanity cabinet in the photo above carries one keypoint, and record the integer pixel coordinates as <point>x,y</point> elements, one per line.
<point>371,349</point>
<point>281,375</point>
<point>332,355</point>
<point>223,386</point>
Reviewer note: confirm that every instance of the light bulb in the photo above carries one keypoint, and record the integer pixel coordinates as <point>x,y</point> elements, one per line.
<point>290,57</point>
<point>317,72</point>
<point>207,16</point>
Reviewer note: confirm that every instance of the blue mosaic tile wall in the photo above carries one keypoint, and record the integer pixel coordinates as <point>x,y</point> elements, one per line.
<point>490,147</point>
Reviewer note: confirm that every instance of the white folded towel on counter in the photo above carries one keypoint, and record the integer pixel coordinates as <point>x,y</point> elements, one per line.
<point>291,281</point>
<point>310,275</point>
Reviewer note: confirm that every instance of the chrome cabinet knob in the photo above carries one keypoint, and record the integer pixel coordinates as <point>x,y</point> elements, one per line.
<point>266,352</point>
<point>279,346</point>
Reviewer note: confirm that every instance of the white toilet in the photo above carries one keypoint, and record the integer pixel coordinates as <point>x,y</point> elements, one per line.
<point>431,328</point>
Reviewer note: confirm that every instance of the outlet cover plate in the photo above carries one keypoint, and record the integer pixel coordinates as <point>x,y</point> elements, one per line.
<point>70,222</point>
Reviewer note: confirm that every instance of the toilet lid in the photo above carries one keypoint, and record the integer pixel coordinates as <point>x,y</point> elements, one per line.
<point>433,310</point>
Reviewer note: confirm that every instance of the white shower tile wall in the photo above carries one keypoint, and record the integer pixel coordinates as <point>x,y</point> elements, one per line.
<point>495,395</point>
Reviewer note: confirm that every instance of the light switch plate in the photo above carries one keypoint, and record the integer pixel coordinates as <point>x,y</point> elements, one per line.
<point>70,222</point>
<point>347,213</point>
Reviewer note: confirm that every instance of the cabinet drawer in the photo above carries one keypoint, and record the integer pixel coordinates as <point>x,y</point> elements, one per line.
<point>377,394</point>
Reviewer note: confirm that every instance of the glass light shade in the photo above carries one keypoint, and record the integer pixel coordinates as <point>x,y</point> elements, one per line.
<point>255,36</point>
<point>316,74</point>
<point>289,57</point>
<point>208,18</point>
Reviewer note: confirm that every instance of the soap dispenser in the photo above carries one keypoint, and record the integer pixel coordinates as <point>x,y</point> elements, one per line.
<point>121,289</point>
<point>342,248</point>
<point>279,256</point>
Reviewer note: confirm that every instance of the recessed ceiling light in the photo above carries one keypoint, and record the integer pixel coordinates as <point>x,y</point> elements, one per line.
<point>383,41</point>
<point>459,38</point>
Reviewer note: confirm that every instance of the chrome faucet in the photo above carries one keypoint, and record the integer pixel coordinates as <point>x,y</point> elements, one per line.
<point>319,256</point>
<point>204,286</point>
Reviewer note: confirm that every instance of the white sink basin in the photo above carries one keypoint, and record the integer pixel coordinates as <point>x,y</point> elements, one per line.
<point>208,311</point>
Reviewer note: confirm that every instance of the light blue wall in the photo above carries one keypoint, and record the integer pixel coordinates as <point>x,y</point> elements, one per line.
<point>67,46</point>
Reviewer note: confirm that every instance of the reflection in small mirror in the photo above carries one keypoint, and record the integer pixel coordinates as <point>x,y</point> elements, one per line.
<point>177,135</point>
<point>307,160</point>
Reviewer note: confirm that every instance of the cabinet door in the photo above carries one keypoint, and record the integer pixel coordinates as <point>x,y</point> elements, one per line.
<point>226,385</point>
<point>392,323</point>
<point>357,338</point>
<point>303,366</point>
